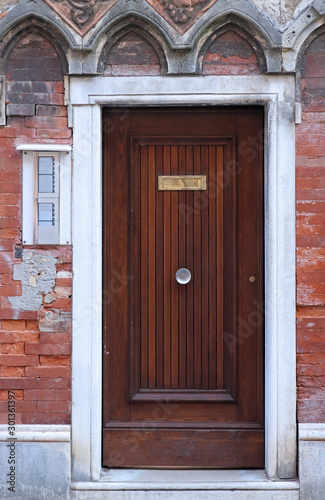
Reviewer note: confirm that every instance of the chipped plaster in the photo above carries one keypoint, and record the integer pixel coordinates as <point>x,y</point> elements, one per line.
<point>37,276</point>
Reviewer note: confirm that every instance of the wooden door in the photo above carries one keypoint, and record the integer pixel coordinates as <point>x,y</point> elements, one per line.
<point>183,363</point>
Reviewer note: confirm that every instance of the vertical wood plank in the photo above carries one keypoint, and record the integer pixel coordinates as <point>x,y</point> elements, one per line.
<point>152,266</point>
<point>174,267</point>
<point>220,268</point>
<point>205,270</point>
<point>159,274</point>
<point>144,268</point>
<point>197,276</point>
<point>213,298</point>
<point>167,275</point>
<point>182,288</point>
<point>117,255</point>
<point>187,216</point>
<point>134,270</point>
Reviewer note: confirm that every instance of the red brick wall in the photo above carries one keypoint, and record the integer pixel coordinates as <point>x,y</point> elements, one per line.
<point>310,184</point>
<point>35,345</point>
<point>230,54</point>
<point>132,55</point>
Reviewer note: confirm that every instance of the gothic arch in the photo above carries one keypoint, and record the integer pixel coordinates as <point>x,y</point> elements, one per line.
<point>142,30</point>
<point>300,61</point>
<point>34,25</point>
<point>231,26</point>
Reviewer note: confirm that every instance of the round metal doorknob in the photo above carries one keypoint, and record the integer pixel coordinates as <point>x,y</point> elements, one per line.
<point>183,276</point>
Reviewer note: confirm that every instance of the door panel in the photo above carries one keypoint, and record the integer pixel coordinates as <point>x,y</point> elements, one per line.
<point>183,364</point>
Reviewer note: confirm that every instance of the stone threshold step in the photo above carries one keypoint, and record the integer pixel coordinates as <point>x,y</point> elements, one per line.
<point>148,484</point>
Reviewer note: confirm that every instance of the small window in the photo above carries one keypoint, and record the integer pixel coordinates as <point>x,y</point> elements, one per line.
<point>46,195</point>
<point>47,198</point>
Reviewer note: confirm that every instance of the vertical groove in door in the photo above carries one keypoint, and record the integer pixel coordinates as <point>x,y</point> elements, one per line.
<point>182,229</point>
<point>174,261</point>
<point>186,216</point>
<point>206,267</point>
<point>159,275</point>
<point>220,267</point>
<point>212,193</point>
<point>182,288</point>
<point>197,278</point>
<point>152,266</point>
<point>144,268</point>
<point>167,274</point>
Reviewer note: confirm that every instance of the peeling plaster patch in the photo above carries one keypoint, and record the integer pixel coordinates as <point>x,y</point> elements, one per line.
<point>55,321</point>
<point>37,276</point>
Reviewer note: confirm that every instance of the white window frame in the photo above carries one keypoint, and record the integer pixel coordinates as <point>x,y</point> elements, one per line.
<point>277,94</point>
<point>62,198</point>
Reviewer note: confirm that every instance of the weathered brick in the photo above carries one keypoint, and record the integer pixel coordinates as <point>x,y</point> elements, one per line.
<point>18,383</point>
<point>46,418</point>
<point>10,234</point>
<point>53,407</point>
<point>47,122</point>
<point>9,222</point>
<point>311,382</point>
<point>8,131</point>
<point>62,304</point>
<point>9,290</point>
<point>55,324</point>
<point>311,410</point>
<point>55,337</point>
<point>10,165</point>
<point>7,266</point>
<point>48,371</point>
<point>32,325</point>
<point>54,383</point>
<point>14,314</point>
<point>55,360</point>
<point>230,54</point>
<point>9,199</point>
<point>13,325</point>
<point>10,187</point>
<point>59,87</point>
<point>18,360</point>
<point>47,395</point>
<point>12,371</point>
<point>20,109</point>
<point>19,395</point>
<point>9,211</point>
<point>132,55</point>
<point>13,349</point>
<point>53,133</point>
<point>43,110</point>
<point>19,87</point>
<point>25,406</point>
<point>38,348</point>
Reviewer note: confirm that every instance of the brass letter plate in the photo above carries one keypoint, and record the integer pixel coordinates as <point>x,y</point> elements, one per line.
<point>182,182</point>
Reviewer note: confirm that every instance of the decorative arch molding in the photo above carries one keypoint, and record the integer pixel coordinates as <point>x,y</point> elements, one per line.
<point>144,30</point>
<point>268,53</point>
<point>117,18</point>
<point>298,33</point>
<point>33,25</point>
<point>301,55</point>
<point>231,26</point>
<point>40,12</point>
<point>299,29</point>
<point>244,10</point>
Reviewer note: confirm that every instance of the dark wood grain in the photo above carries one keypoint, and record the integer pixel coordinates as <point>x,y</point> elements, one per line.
<point>183,364</point>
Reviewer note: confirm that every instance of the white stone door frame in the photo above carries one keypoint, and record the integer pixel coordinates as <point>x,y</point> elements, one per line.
<point>276,93</point>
